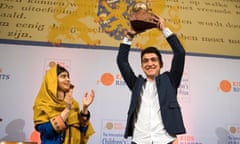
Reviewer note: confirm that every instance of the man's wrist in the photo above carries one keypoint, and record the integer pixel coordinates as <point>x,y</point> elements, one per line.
<point>167,32</point>
<point>127,41</point>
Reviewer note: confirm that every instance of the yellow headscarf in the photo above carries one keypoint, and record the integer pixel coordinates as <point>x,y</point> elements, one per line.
<point>47,106</point>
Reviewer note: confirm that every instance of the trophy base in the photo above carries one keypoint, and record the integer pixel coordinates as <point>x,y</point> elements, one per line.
<point>140,26</point>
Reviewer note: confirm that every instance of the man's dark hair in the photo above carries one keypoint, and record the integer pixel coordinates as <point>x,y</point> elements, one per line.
<point>155,51</point>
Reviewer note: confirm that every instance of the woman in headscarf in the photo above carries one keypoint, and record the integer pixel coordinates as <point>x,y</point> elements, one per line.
<point>57,115</point>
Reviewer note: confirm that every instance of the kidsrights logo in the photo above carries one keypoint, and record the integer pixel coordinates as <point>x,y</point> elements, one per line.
<point>108,79</point>
<point>186,139</point>
<point>229,86</point>
<point>234,130</point>
<point>234,134</point>
<point>4,76</point>
<point>113,132</point>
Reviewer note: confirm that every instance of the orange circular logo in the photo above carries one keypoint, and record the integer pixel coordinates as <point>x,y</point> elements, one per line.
<point>225,86</point>
<point>107,79</point>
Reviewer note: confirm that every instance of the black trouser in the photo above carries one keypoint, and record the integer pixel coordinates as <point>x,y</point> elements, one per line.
<point>136,143</point>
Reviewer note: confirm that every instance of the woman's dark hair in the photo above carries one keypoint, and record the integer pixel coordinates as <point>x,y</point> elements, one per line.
<point>155,51</point>
<point>61,69</point>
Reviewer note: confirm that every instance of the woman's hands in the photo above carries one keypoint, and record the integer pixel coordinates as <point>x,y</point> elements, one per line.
<point>68,99</point>
<point>87,101</point>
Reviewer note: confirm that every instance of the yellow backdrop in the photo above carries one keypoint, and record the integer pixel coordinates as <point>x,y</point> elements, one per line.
<point>203,26</point>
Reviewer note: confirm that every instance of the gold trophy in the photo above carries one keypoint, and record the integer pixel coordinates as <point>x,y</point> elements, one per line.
<point>141,18</point>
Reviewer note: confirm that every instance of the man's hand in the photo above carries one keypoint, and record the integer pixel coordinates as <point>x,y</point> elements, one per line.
<point>161,23</point>
<point>130,34</point>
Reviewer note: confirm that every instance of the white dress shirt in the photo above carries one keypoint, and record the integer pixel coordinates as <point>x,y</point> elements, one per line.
<point>149,127</point>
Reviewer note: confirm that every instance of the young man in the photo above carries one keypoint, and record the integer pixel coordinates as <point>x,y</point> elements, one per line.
<point>154,115</point>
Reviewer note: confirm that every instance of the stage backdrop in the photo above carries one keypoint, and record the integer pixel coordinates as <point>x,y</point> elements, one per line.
<point>209,93</point>
<point>85,35</point>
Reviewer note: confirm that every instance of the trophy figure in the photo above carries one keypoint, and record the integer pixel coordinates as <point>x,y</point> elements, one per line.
<point>141,18</point>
